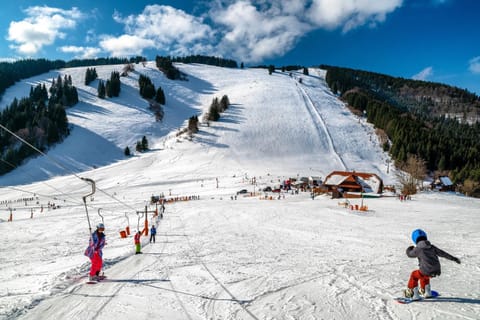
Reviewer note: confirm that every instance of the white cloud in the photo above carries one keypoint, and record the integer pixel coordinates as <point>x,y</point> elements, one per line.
<point>474,65</point>
<point>168,28</point>
<point>424,75</point>
<point>82,52</point>
<point>42,27</point>
<point>125,45</point>
<point>252,35</point>
<point>349,14</point>
<point>249,30</point>
<point>254,30</point>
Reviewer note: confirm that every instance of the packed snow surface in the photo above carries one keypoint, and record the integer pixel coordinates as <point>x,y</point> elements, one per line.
<point>219,255</point>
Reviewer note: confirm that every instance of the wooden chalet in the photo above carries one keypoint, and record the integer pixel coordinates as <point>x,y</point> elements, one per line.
<point>353,184</point>
<point>443,183</point>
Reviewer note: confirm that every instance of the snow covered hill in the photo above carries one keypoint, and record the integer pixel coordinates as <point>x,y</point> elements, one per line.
<point>273,122</point>
<point>217,257</point>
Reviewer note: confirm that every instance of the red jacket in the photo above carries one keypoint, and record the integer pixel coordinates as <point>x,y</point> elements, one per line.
<point>137,238</point>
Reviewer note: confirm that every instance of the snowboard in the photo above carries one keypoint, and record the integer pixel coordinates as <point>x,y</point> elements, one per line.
<point>404,300</point>
<point>99,279</point>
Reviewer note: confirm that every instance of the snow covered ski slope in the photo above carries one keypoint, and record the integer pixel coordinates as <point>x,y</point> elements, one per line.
<point>216,257</point>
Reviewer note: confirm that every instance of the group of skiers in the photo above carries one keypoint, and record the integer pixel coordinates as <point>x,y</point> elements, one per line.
<point>95,249</point>
<point>418,284</point>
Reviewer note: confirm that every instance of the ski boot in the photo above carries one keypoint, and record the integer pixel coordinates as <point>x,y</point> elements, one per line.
<point>426,292</point>
<point>412,293</point>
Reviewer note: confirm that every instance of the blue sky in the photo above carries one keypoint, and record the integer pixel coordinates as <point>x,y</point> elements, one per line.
<point>434,40</point>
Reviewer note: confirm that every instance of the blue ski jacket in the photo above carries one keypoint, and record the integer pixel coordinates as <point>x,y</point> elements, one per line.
<point>97,242</point>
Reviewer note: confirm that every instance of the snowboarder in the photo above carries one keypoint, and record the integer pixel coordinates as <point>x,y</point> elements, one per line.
<point>429,264</point>
<point>94,252</point>
<point>153,232</point>
<point>138,245</point>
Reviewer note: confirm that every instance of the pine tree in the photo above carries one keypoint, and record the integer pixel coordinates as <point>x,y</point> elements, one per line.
<point>101,89</point>
<point>224,103</point>
<point>271,69</point>
<point>144,144</point>
<point>160,96</point>
<point>127,151</point>
<point>149,91</point>
<point>108,89</point>
<point>138,147</point>
<point>193,124</point>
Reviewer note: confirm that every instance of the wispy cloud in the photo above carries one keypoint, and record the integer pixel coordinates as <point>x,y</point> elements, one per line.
<point>125,45</point>
<point>474,65</point>
<point>41,27</point>
<point>81,52</point>
<point>424,75</point>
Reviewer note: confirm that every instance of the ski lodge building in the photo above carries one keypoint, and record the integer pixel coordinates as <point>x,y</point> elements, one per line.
<point>353,184</point>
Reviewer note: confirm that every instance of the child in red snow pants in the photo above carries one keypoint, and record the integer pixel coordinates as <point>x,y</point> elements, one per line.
<point>417,276</point>
<point>96,264</point>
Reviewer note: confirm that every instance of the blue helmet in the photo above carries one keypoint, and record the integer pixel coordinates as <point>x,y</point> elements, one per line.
<point>417,234</point>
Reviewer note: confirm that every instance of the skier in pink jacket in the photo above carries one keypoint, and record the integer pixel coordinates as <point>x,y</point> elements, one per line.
<point>94,252</point>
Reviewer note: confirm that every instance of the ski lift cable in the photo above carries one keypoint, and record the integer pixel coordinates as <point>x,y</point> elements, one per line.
<point>43,195</point>
<point>40,151</point>
<point>116,199</point>
<point>60,165</point>
<point>43,182</point>
<point>73,201</point>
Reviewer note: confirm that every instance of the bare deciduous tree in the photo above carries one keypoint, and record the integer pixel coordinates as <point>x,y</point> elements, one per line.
<point>411,174</point>
<point>469,187</point>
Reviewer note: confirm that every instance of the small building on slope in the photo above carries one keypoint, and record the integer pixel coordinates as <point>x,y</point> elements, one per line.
<point>443,183</point>
<point>353,184</point>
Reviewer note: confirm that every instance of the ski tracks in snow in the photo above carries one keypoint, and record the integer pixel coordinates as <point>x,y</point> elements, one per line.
<point>322,129</point>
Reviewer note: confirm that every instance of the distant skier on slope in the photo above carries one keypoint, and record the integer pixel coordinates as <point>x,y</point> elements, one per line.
<point>153,232</point>
<point>138,245</point>
<point>94,252</point>
<point>429,264</point>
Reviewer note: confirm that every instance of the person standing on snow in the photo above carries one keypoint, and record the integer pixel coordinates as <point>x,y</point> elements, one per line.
<point>94,251</point>
<point>428,262</point>
<point>136,239</point>
<point>153,232</point>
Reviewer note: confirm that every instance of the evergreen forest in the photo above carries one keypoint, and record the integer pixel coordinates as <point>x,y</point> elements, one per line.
<point>39,119</point>
<point>435,122</point>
